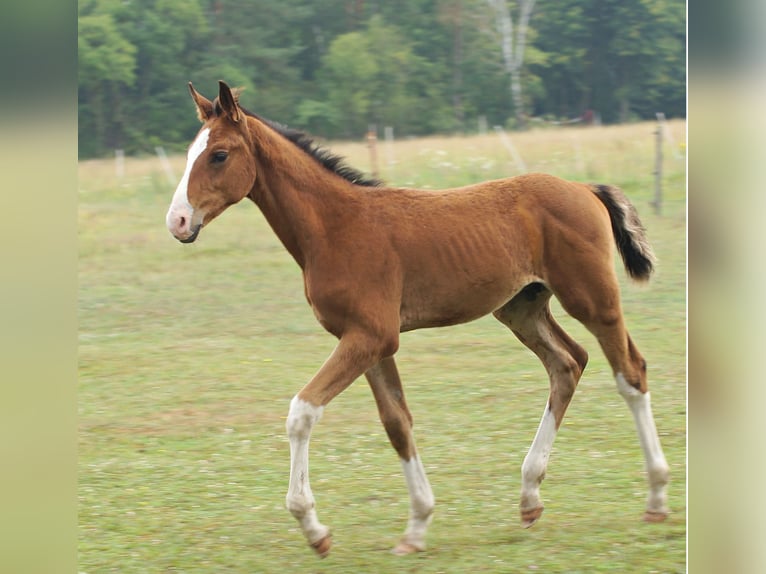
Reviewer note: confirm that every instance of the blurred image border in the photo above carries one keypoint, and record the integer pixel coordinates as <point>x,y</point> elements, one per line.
<point>727,122</point>
<point>38,139</point>
<point>38,279</point>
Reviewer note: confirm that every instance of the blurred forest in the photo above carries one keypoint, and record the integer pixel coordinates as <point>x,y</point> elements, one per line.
<point>337,66</point>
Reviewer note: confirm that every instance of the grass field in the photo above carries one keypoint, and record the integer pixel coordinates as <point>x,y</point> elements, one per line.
<point>189,356</point>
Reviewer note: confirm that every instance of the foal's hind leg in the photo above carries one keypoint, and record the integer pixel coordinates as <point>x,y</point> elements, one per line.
<point>597,305</point>
<point>389,396</point>
<point>528,316</point>
<point>629,369</point>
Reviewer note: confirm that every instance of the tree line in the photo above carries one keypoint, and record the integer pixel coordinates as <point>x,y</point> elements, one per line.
<point>335,67</point>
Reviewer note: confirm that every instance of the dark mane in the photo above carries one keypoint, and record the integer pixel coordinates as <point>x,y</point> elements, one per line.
<point>325,157</point>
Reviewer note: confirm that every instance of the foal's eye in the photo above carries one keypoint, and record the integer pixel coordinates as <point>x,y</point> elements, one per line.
<point>219,157</point>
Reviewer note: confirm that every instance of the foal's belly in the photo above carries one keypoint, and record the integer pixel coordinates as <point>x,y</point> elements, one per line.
<point>461,272</point>
<point>440,308</point>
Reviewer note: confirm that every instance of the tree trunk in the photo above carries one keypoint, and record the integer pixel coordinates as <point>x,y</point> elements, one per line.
<point>450,14</point>
<point>513,49</point>
<point>457,67</point>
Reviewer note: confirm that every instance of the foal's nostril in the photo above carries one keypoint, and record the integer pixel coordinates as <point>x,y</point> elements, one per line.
<point>182,222</point>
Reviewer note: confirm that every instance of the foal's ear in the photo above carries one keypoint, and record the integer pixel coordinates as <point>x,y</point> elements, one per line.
<point>204,106</point>
<point>228,101</point>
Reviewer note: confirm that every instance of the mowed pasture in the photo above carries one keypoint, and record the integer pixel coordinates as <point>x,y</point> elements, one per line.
<point>190,354</point>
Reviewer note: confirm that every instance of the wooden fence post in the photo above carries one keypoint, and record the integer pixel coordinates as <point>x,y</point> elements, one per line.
<point>508,143</point>
<point>483,125</point>
<point>390,160</point>
<point>166,167</point>
<point>668,135</point>
<point>372,144</point>
<point>119,164</point>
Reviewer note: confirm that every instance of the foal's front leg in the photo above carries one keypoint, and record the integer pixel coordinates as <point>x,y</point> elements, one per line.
<point>300,501</point>
<point>352,357</point>
<point>395,416</point>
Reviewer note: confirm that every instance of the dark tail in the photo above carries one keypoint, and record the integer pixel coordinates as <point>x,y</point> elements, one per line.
<point>629,232</point>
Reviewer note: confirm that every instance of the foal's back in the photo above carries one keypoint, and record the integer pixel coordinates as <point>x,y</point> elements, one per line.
<point>462,253</point>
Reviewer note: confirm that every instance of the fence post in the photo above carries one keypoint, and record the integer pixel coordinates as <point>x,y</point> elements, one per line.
<point>657,202</point>
<point>119,164</point>
<point>372,145</point>
<point>483,125</point>
<point>166,167</point>
<point>508,143</point>
<point>390,160</point>
<point>668,135</point>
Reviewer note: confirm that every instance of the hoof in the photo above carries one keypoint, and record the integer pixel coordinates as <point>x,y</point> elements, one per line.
<point>322,546</point>
<point>529,517</point>
<point>405,548</point>
<point>655,516</point>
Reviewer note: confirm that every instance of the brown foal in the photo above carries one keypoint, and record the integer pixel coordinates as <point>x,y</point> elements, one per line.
<point>379,260</point>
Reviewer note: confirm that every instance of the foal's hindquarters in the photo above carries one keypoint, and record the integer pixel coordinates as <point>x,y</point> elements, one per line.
<point>578,268</point>
<point>528,316</point>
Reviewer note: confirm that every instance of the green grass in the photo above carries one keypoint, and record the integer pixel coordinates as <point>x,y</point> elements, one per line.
<point>189,356</point>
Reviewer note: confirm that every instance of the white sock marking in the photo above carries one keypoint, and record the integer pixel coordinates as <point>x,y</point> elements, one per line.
<point>300,501</point>
<point>421,502</point>
<point>656,466</point>
<point>536,461</point>
<point>180,201</point>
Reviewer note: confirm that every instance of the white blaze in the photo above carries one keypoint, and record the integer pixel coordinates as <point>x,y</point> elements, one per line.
<point>180,203</point>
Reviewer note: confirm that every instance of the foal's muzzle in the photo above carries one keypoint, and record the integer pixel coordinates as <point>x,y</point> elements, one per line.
<point>193,236</point>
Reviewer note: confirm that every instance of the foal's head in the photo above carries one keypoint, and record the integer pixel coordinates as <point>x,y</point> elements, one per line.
<point>220,168</point>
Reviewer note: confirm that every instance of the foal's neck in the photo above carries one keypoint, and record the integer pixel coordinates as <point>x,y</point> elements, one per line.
<point>300,199</point>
